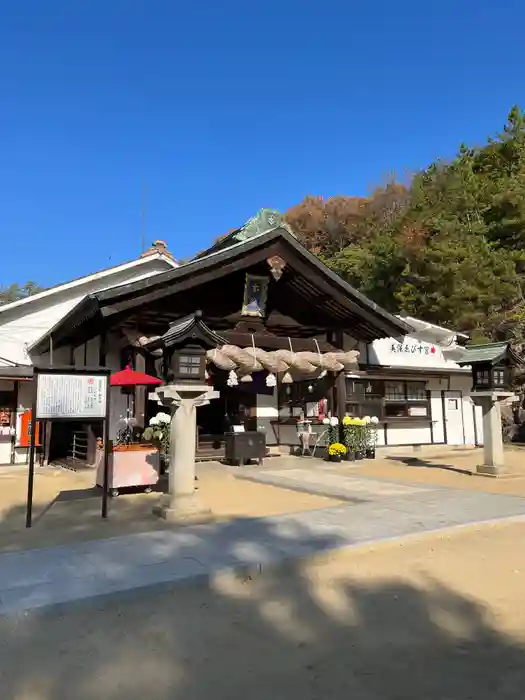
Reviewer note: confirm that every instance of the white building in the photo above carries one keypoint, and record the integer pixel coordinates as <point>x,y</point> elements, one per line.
<point>416,389</point>
<point>24,322</point>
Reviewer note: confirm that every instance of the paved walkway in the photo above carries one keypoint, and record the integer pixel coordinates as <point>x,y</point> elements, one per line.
<point>376,510</point>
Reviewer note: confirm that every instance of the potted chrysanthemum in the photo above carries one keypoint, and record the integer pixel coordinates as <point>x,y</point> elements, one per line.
<point>352,436</point>
<point>158,433</point>
<point>336,451</point>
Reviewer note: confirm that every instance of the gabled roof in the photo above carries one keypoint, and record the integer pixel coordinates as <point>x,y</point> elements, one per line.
<point>489,352</point>
<point>156,252</point>
<point>426,330</point>
<point>262,236</point>
<point>238,243</point>
<point>191,326</point>
<point>10,369</point>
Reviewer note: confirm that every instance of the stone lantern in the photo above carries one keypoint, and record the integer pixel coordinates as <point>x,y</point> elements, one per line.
<point>493,366</point>
<point>184,347</point>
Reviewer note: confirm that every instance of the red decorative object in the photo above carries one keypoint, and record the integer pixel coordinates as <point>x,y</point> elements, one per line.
<point>432,350</point>
<point>129,377</point>
<point>26,426</point>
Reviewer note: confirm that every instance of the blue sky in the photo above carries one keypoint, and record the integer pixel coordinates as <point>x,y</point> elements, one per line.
<point>224,108</point>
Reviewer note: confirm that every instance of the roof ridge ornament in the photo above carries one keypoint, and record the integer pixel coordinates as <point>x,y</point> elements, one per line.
<point>264,221</point>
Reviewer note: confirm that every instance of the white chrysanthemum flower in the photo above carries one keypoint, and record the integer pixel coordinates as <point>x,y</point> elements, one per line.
<point>366,420</point>
<point>326,421</point>
<point>334,420</point>
<point>154,421</point>
<point>374,420</point>
<point>163,417</point>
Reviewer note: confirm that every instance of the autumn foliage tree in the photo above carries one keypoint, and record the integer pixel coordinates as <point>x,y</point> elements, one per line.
<point>450,248</point>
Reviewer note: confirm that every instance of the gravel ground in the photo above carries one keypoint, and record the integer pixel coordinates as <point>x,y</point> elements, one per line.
<point>436,618</point>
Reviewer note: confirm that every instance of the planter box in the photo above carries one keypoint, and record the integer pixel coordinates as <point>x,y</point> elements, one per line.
<point>129,465</point>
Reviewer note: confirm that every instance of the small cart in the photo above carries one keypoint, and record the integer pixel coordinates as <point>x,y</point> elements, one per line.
<point>129,466</point>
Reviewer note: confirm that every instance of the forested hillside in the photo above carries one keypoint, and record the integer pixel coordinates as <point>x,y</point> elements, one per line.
<point>448,248</point>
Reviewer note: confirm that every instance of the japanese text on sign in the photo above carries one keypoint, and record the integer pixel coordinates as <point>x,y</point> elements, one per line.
<point>71,396</point>
<point>413,348</point>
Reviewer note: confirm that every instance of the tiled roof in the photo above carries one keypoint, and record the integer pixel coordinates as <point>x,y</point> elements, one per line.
<point>489,352</point>
<point>183,327</point>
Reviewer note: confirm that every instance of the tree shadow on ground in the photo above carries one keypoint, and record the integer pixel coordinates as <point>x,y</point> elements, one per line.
<point>76,515</point>
<point>418,462</point>
<point>286,631</point>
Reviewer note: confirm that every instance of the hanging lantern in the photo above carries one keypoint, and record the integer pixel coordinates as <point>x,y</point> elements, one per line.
<point>271,380</point>
<point>246,379</point>
<point>232,378</point>
<point>287,378</point>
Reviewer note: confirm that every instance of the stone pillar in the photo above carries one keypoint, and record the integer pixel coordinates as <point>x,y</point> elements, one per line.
<point>181,503</point>
<point>493,454</point>
<point>492,436</point>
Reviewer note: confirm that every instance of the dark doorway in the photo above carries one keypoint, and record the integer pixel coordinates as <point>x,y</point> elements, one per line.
<point>235,406</point>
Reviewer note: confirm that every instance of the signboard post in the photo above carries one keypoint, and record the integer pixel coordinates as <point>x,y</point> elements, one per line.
<point>69,394</point>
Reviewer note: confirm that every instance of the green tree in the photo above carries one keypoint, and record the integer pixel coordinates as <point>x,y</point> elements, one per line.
<point>14,292</point>
<point>451,247</point>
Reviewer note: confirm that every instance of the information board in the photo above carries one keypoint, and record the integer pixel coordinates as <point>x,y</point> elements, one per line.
<point>80,396</point>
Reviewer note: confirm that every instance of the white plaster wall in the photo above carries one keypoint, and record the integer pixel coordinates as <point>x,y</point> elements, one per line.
<point>23,325</point>
<point>415,353</point>
<point>25,401</point>
<point>398,434</point>
<point>380,435</point>
<point>463,383</point>
<point>436,413</point>
<point>5,432</point>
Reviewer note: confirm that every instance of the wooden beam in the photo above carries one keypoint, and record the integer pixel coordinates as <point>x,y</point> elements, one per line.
<point>275,342</point>
<point>193,279</point>
<point>325,285</point>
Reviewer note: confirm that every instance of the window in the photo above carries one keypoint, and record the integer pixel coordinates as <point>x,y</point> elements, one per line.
<point>416,391</point>
<point>394,391</point>
<point>190,365</point>
<point>482,377</point>
<point>302,398</point>
<point>499,377</point>
<point>391,399</point>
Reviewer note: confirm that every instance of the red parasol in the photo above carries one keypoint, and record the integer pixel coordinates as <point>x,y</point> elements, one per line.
<point>129,377</point>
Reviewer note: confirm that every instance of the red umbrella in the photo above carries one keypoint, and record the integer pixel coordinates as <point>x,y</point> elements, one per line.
<point>129,377</point>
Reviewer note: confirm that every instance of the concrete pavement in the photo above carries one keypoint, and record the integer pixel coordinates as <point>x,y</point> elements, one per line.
<point>376,510</point>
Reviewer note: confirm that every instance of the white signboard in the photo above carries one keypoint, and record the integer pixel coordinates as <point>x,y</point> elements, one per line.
<point>81,396</point>
<point>408,352</point>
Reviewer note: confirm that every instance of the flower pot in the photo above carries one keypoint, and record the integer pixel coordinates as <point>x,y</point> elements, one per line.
<point>371,454</point>
<point>349,456</point>
<point>358,455</point>
<point>334,458</point>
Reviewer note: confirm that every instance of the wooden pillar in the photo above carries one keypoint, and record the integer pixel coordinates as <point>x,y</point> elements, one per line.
<point>340,395</point>
<point>102,348</point>
<point>141,392</point>
<point>340,382</point>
